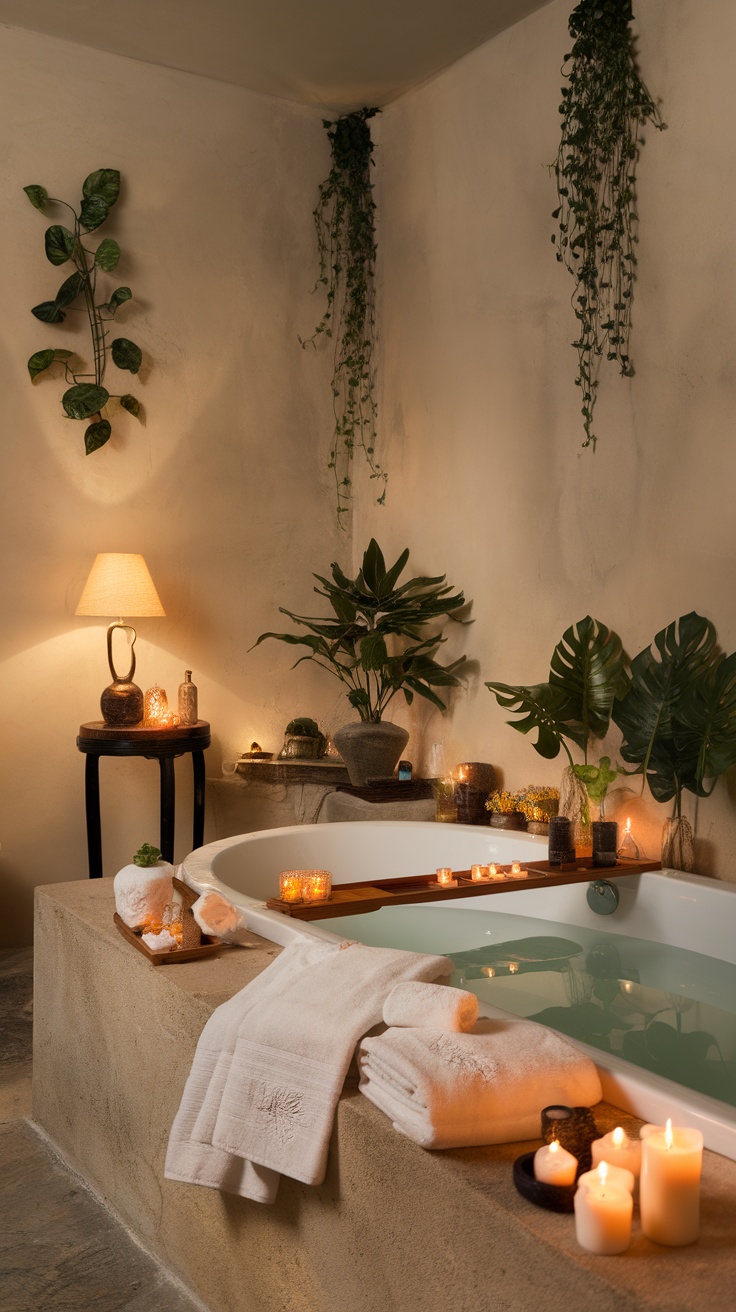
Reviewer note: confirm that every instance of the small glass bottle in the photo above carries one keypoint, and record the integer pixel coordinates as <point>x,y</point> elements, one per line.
<point>187,700</point>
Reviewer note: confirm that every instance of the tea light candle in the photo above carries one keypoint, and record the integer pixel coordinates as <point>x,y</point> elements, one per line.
<point>494,872</point>
<point>445,877</point>
<point>617,1149</point>
<point>553,1164</point>
<point>669,1189</point>
<point>290,885</point>
<point>615,1175</point>
<point>603,1216</point>
<point>316,885</point>
<point>516,871</point>
<point>480,874</point>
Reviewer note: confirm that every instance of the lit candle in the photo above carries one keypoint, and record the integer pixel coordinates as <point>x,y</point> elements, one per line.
<point>669,1202</point>
<point>445,877</point>
<point>553,1164</point>
<point>480,874</point>
<point>316,885</point>
<point>513,968</point>
<point>603,1215</point>
<point>494,872</point>
<point>617,1149</point>
<point>290,885</point>
<point>489,971</point>
<point>619,1176</point>
<point>516,871</point>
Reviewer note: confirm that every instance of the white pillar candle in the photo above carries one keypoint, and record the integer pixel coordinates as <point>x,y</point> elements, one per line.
<point>669,1190</point>
<point>553,1164</point>
<point>604,1171</point>
<point>603,1217</point>
<point>617,1149</point>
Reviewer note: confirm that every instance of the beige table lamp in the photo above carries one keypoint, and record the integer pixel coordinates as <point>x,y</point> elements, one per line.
<point>119,584</point>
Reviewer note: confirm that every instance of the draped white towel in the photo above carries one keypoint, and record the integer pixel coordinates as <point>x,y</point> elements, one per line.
<point>270,1065</point>
<point>430,1006</point>
<point>457,1090</point>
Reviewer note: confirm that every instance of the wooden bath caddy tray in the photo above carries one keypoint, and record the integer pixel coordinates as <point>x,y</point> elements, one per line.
<point>173,955</point>
<point>355,899</point>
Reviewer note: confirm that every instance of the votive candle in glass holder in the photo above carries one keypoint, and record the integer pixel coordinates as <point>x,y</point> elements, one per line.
<point>155,707</point>
<point>480,874</point>
<point>494,872</point>
<point>316,885</point>
<point>445,877</point>
<point>290,885</point>
<point>516,871</point>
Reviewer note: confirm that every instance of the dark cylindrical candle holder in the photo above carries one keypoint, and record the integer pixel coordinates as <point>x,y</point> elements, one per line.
<point>574,1128</point>
<point>605,842</point>
<point>561,844</point>
<point>471,805</point>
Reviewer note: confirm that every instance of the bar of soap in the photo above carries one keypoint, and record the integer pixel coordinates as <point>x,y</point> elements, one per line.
<point>142,892</point>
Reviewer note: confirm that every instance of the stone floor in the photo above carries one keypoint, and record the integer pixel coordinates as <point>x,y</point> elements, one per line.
<point>60,1249</point>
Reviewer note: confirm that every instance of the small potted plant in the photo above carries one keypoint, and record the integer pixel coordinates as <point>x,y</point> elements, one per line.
<point>375,642</point>
<point>303,739</point>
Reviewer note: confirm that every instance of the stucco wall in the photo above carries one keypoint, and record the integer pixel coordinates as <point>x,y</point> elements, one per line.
<point>222,487</point>
<point>482,433</point>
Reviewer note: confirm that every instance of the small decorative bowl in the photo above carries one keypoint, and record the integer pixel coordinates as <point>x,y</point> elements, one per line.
<point>555,1197</point>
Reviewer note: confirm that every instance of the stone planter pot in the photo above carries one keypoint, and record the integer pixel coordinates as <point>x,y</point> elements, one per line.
<point>300,747</point>
<point>370,751</point>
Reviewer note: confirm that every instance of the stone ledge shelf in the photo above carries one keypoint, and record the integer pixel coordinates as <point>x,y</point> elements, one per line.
<point>392,1229</point>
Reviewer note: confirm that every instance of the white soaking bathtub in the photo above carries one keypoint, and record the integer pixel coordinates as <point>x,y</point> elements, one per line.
<point>648,991</point>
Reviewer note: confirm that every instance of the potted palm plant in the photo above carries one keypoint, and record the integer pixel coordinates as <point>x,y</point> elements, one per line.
<point>587,672</point>
<point>678,720</point>
<point>375,642</point>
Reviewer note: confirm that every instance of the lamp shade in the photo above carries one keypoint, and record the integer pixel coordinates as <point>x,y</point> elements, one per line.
<point>119,584</point>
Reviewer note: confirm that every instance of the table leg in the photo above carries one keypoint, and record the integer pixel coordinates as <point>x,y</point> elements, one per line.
<point>168,807</point>
<point>198,769</point>
<point>92,807</point>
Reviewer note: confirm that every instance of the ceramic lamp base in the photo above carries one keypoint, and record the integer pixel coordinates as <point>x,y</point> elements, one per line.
<point>122,704</point>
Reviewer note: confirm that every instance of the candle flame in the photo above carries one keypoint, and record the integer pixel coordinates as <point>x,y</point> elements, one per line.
<point>603,1173</point>
<point>492,868</point>
<point>515,868</point>
<point>554,1146</point>
<point>628,825</point>
<point>618,1138</point>
<point>668,1136</point>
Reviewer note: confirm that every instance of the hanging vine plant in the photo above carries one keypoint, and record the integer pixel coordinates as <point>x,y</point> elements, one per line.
<point>87,396</point>
<point>603,109</point>
<point>346,244</point>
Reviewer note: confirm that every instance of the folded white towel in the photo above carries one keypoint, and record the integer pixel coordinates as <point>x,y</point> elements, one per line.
<point>270,1065</point>
<point>457,1090</point>
<point>430,1006</point>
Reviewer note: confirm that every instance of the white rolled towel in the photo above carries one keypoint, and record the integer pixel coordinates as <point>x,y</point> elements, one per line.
<point>459,1090</point>
<point>430,1006</point>
<point>142,892</point>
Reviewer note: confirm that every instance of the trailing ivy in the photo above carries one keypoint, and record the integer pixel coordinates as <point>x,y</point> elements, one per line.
<point>346,244</point>
<point>87,397</point>
<point>603,108</point>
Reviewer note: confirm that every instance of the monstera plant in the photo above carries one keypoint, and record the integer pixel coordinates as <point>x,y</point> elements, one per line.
<point>678,720</point>
<point>87,397</point>
<point>587,672</point>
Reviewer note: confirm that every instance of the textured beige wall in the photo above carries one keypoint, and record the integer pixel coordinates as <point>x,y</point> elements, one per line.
<point>482,431</point>
<point>222,488</point>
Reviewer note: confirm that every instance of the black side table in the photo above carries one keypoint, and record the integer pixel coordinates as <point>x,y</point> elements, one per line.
<point>163,745</point>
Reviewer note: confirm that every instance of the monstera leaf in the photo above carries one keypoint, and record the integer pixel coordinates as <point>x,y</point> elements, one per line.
<point>541,705</point>
<point>675,729</point>
<point>588,668</point>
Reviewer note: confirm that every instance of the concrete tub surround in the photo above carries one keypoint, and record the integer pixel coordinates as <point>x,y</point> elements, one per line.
<point>392,1229</point>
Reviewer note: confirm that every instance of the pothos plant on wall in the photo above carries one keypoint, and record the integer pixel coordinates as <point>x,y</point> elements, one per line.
<point>603,109</point>
<point>87,397</point>
<point>346,242</point>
